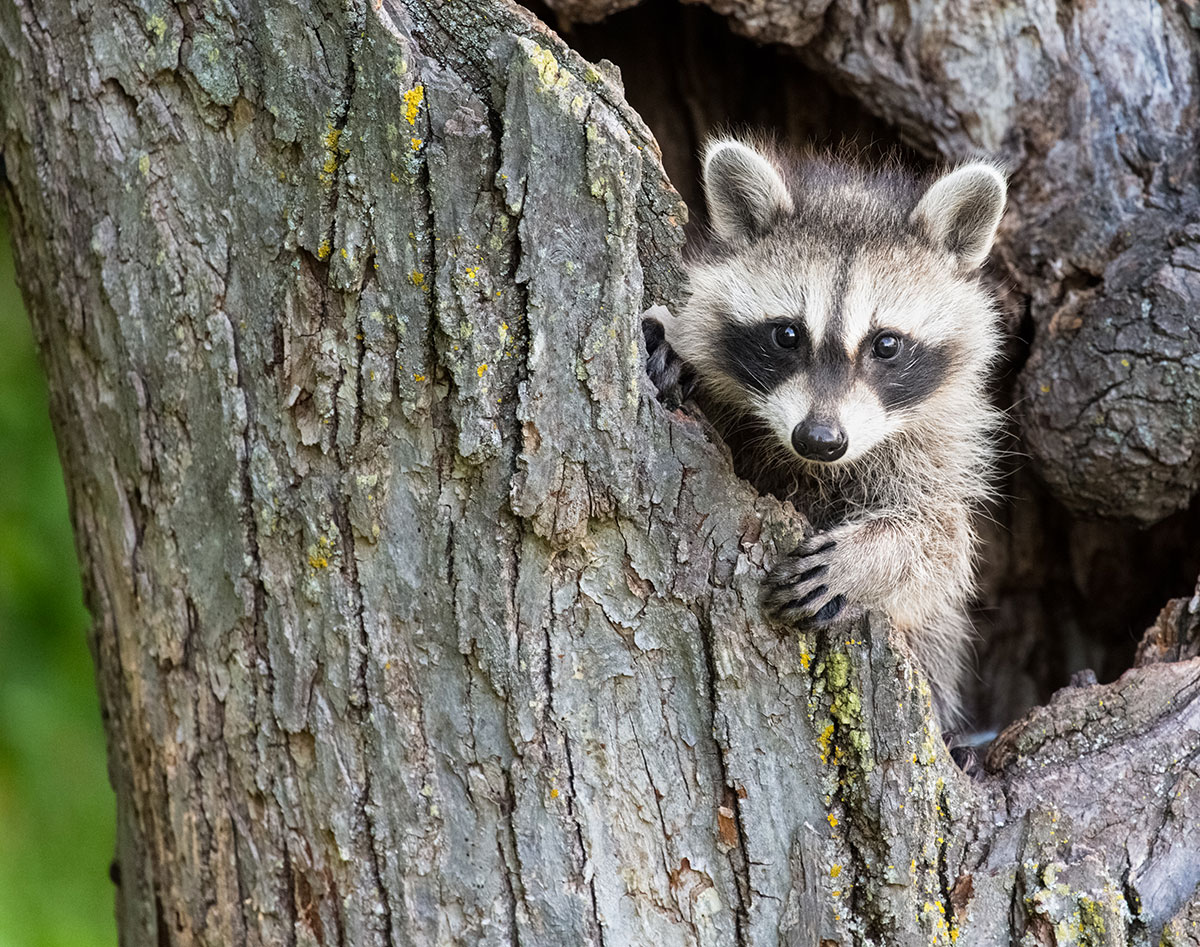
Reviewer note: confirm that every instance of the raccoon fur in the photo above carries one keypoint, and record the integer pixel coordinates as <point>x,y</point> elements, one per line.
<point>837,335</point>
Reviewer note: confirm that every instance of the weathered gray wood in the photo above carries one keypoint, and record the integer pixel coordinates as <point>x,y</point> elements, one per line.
<point>417,619</point>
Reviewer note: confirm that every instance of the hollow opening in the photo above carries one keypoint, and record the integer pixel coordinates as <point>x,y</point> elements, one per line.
<point>1059,593</point>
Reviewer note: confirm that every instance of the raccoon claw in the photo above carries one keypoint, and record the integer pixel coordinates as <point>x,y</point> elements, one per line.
<point>813,546</point>
<point>672,376</point>
<point>800,612</point>
<point>830,610</point>
<point>802,591</point>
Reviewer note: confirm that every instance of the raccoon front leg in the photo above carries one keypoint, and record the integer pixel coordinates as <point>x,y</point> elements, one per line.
<point>916,570</point>
<point>815,585</point>
<point>913,568</point>
<point>672,376</point>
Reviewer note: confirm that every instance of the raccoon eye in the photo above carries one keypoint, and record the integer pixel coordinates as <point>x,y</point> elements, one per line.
<point>786,337</point>
<point>887,345</point>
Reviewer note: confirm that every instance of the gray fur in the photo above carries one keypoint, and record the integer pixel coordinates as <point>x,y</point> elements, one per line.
<point>746,196</point>
<point>842,256</point>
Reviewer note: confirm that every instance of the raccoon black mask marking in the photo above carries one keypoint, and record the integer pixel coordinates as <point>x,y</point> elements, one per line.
<point>838,312</point>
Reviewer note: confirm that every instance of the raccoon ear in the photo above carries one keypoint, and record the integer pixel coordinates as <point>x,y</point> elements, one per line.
<point>745,191</point>
<point>961,211</point>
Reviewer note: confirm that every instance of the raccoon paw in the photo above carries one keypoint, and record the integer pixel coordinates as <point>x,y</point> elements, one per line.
<point>809,588</point>
<point>672,376</point>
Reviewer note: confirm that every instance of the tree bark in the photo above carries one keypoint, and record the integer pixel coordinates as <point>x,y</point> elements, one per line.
<point>417,619</point>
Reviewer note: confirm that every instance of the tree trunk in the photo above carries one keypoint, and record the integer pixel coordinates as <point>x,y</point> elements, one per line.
<point>417,619</point>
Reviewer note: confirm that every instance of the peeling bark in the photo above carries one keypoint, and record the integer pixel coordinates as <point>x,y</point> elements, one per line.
<point>417,619</point>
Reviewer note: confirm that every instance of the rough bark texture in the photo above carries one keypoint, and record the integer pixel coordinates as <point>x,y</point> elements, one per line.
<point>418,620</point>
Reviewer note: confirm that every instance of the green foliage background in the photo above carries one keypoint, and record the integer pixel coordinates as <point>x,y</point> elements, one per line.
<point>56,807</point>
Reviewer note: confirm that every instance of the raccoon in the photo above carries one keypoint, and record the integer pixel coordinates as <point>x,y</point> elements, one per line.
<point>836,333</point>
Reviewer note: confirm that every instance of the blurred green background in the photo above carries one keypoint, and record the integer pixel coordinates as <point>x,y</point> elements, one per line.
<point>56,807</point>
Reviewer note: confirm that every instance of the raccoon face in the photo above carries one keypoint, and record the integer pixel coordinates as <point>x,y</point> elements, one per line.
<point>841,308</point>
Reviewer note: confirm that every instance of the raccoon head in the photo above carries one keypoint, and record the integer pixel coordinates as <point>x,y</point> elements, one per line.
<point>840,307</point>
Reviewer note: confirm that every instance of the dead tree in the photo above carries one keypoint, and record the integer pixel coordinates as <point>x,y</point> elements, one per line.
<point>417,619</point>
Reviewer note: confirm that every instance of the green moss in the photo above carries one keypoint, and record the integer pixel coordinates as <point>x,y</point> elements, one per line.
<point>1092,917</point>
<point>1079,918</point>
<point>549,74</point>
<point>850,743</point>
<point>215,72</point>
<point>157,27</point>
<point>837,671</point>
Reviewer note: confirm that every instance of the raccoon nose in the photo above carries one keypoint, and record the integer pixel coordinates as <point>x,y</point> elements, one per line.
<point>819,440</point>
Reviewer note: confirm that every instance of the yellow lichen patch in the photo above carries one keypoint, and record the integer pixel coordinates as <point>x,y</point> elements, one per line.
<point>480,370</point>
<point>318,555</point>
<point>332,153</point>
<point>473,273</point>
<point>416,143</point>
<point>417,278</point>
<point>824,741</point>
<point>553,793</point>
<point>832,819</point>
<point>549,73</point>
<point>805,659</point>
<point>158,26</point>
<point>934,914</point>
<point>835,870</point>
<point>417,377</point>
<point>412,103</point>
<point>324,250</point>
<point>395,178</point>
<point>144,168</point>
<point>547,65</point>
